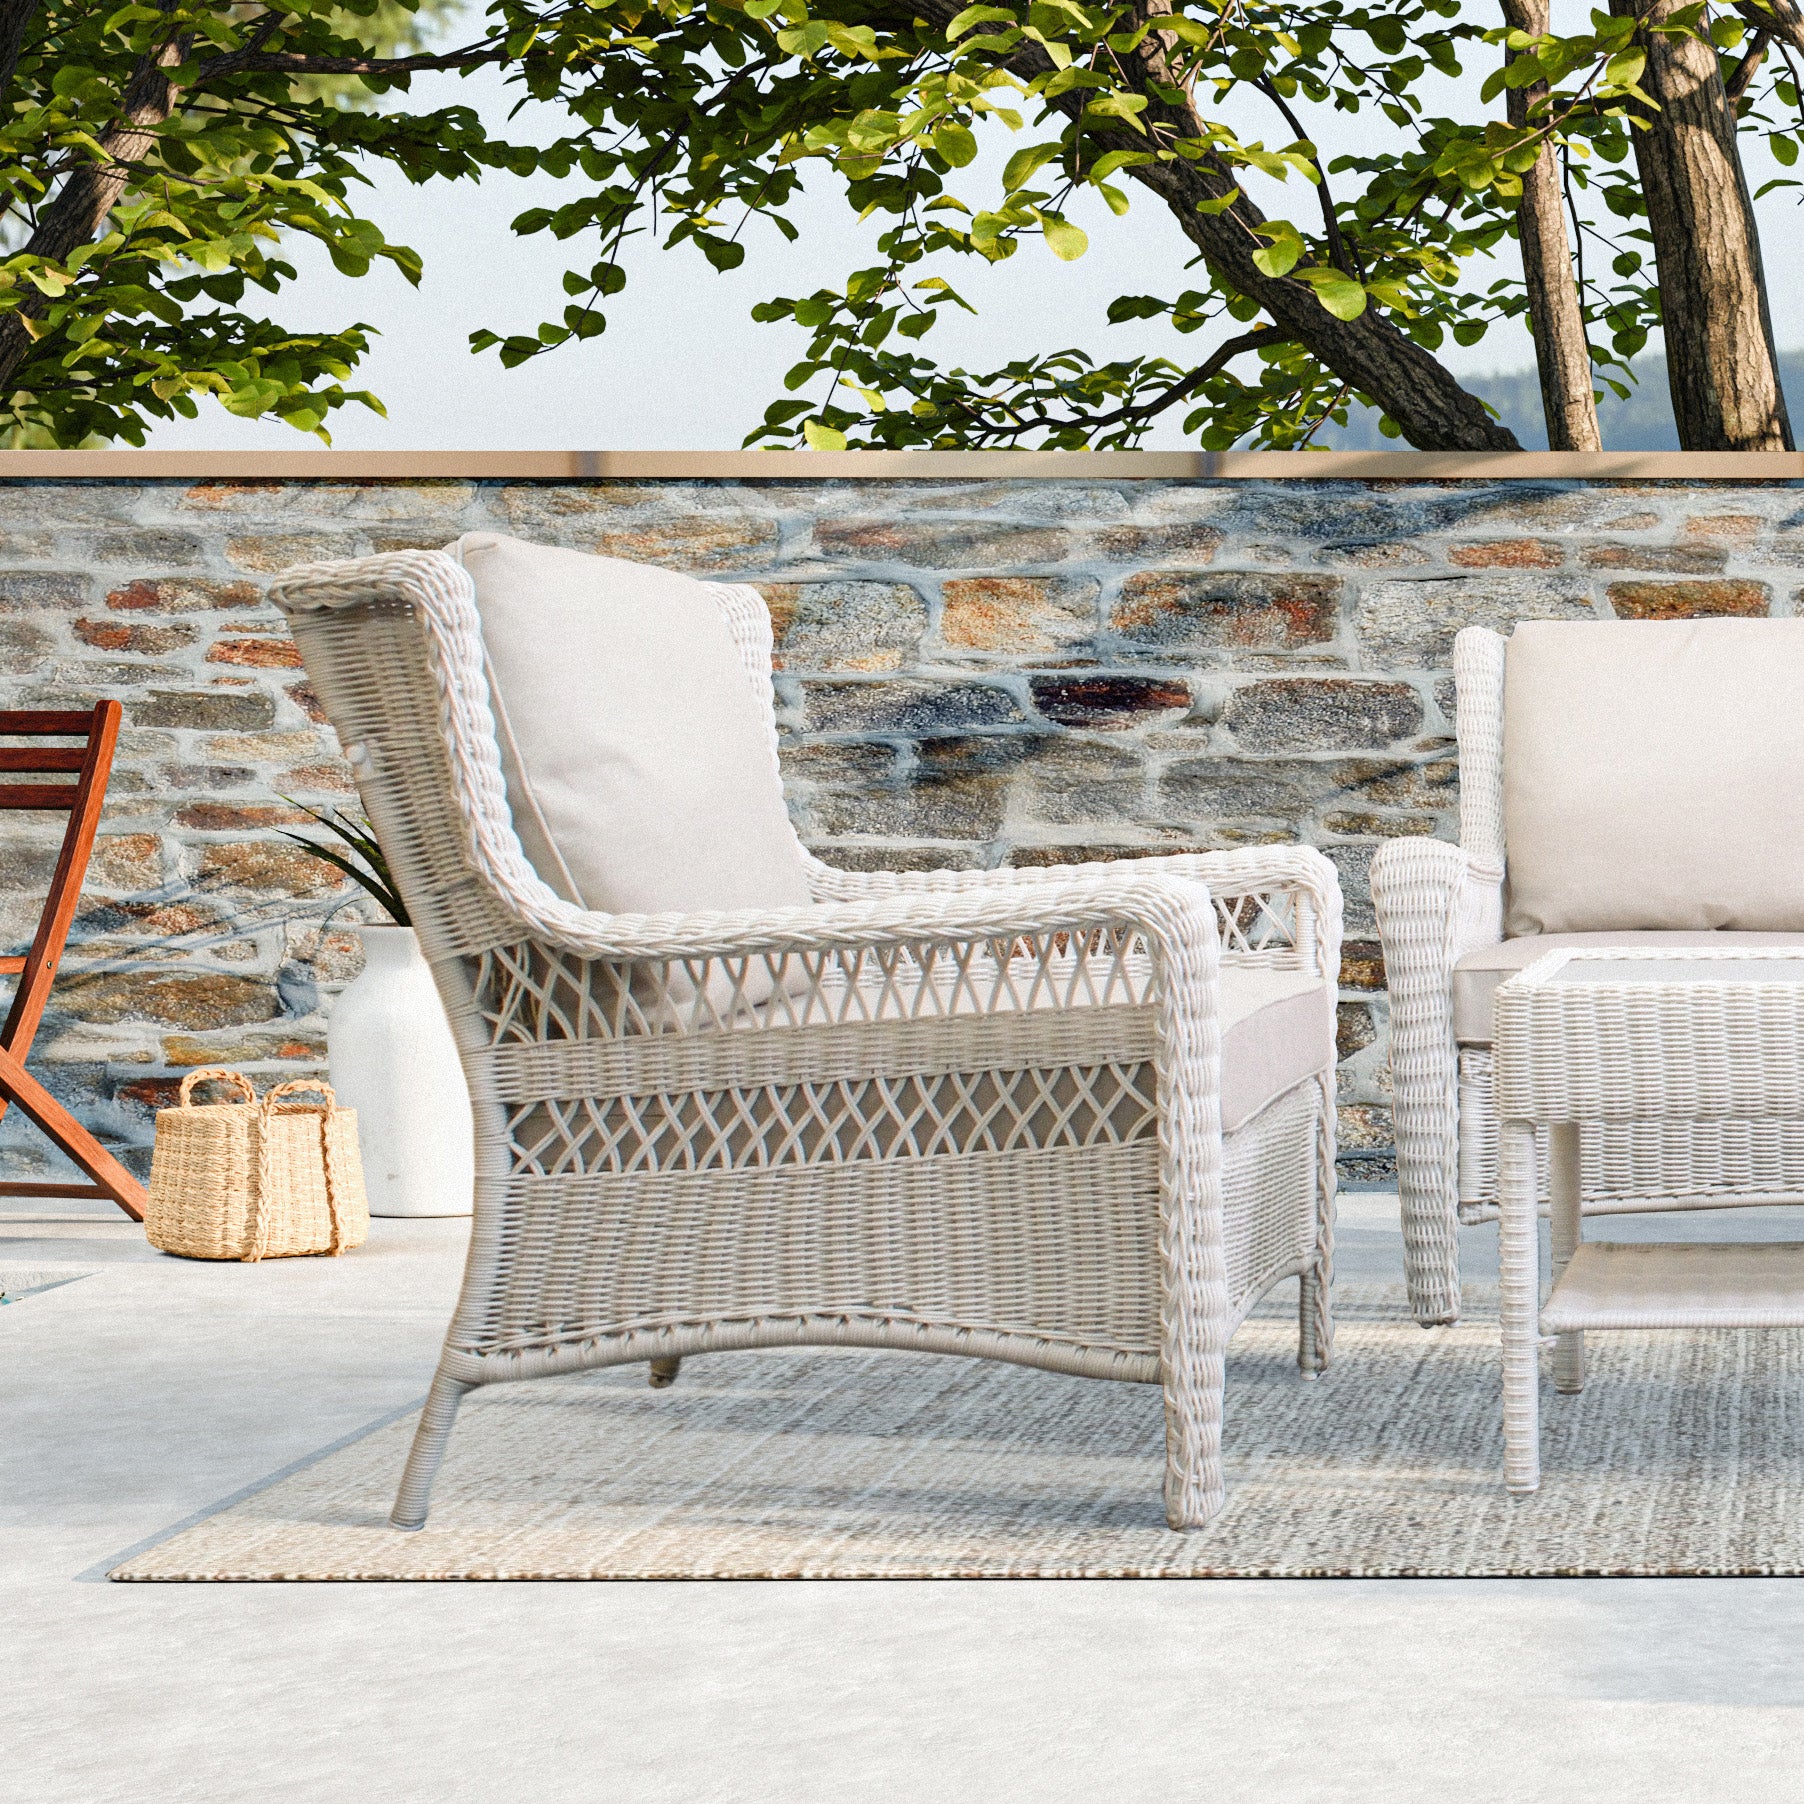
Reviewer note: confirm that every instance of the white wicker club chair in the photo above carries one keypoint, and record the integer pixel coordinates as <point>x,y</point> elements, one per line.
<point>1075,1118</point>
<point>1621,783</point>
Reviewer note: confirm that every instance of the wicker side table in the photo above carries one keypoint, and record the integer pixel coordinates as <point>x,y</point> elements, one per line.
<point>1709,1042</point>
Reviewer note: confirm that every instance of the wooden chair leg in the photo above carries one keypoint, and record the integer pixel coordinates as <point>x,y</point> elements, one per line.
<point>110,1177</point>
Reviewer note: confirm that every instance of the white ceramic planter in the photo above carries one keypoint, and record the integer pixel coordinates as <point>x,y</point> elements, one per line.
<point>394,1061</point>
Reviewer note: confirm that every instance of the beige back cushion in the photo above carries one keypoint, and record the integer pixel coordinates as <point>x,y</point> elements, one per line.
<point>1653,775</point>
<point>636,751</point>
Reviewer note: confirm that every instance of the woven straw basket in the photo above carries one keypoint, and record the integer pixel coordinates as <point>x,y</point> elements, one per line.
<point>256,1180</point>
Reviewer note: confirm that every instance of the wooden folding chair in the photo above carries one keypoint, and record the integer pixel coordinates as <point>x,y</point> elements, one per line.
<point>89,762</point>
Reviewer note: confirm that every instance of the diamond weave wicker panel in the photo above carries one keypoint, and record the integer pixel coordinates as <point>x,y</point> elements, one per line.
<point>835,1123</point>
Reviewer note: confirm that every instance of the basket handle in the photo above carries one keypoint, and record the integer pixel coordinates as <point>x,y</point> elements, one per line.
<point>260,1228</point>
<point>293,1087</point>
<point>217,1074</point>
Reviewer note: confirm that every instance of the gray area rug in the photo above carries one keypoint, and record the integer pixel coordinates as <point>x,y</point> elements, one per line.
<point>1682,1456</point>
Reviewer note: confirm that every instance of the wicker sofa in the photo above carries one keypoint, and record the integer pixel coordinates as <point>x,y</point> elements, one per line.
<point>1621,783</point>
<point>1076,1118</point>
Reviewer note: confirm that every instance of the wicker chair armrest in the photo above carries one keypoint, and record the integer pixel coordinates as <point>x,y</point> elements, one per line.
<point>1299,871</point>
<point>1169,911</point>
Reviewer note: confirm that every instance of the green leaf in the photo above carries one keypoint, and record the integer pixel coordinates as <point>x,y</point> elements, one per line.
<point>1066,241</point>
<point>822,438</point>
<point>1281,256</point>
<point>957,144</point>
<point>1336,290</point>
<point>1020,168</point>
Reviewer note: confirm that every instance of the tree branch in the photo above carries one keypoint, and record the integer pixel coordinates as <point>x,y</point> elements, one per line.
<point>251,61</point>
<point>1368,353</point>
<point>1337,245</point>
<point>1185,386</point>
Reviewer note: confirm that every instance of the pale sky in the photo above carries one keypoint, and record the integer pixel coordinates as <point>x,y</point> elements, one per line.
<point>682,366</point>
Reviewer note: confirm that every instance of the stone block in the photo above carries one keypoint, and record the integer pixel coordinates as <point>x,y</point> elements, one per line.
<point>1354,864</point>
<point>183,595</point>
<point>839,762</point>
<point>1361,965</point>
<point>313,779</point>
<point>200,1000</point>
<point>942,545</point>
<point>1403,783</point>
<point>230,497</point>
<point>1189,540</point>
<point>208,709</point>
<point>1507,554</point>
<point>177,778</point>
<point>1354,1029</point>
<point>1321,714</point>
<point>1022,615</point>
<point>1208,790</point>
<point>844,625</point>
<point>28,592</point>
<point>269,552</point>
<point>1689,601</point>
<point>1072,783</point>
<point>907,707</point>
<point>899,858</point>
<point>1224,610</point>
<point>1060,854</point>
<point>262,653</point>
<point>1353,824</point>
<point>238,817</point>
<point>1108,703</point>
<point>1735,529</point>
<point>146,545</point>
<point>24,648</point>
<point>128,861</point>
<point>1694,559</point>
<point>1410,622</point>
<point>140,638</point>
<point>306,698</point>
<point>264,747</point>
<point>710,543</point>
<point>1370,554</point>
<point>266,867</point>
<point>186,1051</point>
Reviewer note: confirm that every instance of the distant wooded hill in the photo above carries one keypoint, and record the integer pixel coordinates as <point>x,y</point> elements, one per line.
<point>1641,423</point>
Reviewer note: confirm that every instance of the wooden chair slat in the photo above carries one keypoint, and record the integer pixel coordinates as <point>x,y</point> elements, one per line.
<point>43,758</point>
<point>26,722</point>
<point>64,796</point>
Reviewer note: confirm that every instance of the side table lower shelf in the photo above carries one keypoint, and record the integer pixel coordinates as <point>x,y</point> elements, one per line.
<point>1665,1284</point>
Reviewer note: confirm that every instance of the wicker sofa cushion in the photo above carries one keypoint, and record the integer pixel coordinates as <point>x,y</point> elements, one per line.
<point>1477,975</point>
<point>637,757</point>
<point>1653,775</point>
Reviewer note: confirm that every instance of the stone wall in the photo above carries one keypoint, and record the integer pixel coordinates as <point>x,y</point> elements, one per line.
<point>973,673</point>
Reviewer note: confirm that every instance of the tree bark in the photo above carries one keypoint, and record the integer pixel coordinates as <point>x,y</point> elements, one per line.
<point>90,192</point>
<point>15,20</point>
<point>1433,411</point>
<point>1720,357</point>
<point>1562,356</point>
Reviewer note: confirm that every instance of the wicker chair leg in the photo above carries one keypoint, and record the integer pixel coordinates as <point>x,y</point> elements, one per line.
<point>415,1493</point>
<point>664,1373</point>
<point>1315,1322</point>
<point>1430,1245</point>
<point>1194,1487</point>
<point>1520,1271</point>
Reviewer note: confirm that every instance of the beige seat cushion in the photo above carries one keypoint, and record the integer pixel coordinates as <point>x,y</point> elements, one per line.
<point>1477,975</point>
<point>1277,1030</point>
<point>1654,775</point>
<point>636,752</point>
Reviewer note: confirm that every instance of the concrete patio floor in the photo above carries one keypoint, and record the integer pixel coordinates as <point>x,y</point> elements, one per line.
<point>152,1389</point>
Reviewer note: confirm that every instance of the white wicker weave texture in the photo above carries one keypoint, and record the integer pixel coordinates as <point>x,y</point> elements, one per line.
<point>1435,904</point>
<point>956,1112</point>
<point>1587,1036</point>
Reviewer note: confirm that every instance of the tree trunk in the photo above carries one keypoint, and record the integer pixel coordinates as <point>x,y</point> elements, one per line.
<point>90,192</point>
<point>1720,358</point>
<point>1434,412</point>
<point>1562,357</point>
